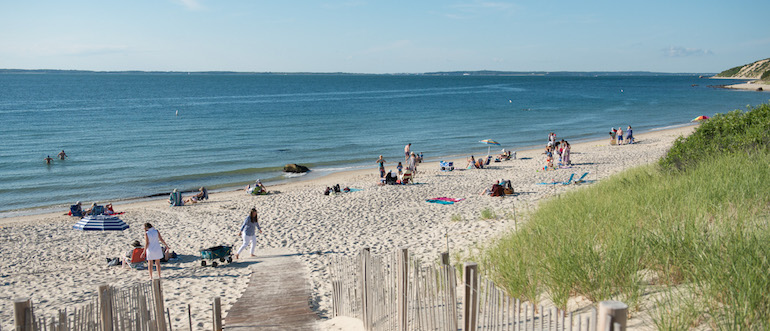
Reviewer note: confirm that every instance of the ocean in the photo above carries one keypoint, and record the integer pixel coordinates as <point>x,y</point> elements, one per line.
<point>132,135</point>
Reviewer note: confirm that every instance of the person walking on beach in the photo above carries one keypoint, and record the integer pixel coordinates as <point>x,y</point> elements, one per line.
<point>381,162</point>
<point>248,232</point>
<point>153,251</point>
<point>407,150</point>
<point>62,155</point>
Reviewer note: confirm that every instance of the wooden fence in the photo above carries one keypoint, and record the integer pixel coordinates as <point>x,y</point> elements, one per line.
<point>393,292</point>
<point>138,307</point>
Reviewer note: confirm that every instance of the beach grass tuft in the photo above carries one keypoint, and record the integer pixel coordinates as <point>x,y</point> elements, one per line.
<point>488,214</point>
<point>697,219</point>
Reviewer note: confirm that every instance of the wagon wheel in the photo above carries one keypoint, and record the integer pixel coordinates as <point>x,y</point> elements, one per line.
<point>203,263</point>
<point>230,259</point>
<point>221,259</point>
<point>214,264</point>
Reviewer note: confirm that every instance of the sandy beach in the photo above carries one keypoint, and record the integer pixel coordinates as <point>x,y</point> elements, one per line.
<point>43,258</point>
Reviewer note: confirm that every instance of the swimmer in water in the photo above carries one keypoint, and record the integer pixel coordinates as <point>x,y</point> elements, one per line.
<point>62,155</point>
<point>48,159</point>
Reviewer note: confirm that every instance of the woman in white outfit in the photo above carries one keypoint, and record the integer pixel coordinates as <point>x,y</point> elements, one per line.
<point>248,232</point>
<point>154,252</point>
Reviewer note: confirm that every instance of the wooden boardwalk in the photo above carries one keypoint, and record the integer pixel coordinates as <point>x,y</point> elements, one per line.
<point>277,297</point>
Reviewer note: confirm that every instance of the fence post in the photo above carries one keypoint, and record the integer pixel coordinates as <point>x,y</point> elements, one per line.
<point>217,313</point>
<point>471,303</point>
<point>105,307</point>
<point>22,314</point>
<point>611,312</point>
<point>63,322</point>
<point>451,288</point>
<point>157,292</point>
<point>403,284</point>
<point>364,274</point>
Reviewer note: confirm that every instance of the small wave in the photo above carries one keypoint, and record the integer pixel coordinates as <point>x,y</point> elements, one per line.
<point>294,175</point>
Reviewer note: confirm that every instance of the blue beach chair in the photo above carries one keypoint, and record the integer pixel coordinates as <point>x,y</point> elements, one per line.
<point>581,180</point>
<point>175,199</point>
<point>569,181</point>
<point>76,210</point>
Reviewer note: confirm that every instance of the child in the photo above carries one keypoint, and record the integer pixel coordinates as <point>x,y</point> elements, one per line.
<point>400,168</point>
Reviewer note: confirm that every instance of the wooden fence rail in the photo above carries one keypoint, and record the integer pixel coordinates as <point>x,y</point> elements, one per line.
<point>393,292</point>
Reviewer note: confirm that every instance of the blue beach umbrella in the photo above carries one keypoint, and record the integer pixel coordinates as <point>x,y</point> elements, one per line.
<point>100,223</point>
<point>489,142</point>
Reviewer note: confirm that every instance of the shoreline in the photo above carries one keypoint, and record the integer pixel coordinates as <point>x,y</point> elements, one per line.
<point>53,210</point>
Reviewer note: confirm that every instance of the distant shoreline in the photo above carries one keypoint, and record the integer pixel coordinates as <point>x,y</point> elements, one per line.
<point>435,73</point>
<point>33,212</point>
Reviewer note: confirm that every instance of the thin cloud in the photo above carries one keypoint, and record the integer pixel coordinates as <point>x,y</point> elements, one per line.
<point>189,4</point>
<point>678,51</point>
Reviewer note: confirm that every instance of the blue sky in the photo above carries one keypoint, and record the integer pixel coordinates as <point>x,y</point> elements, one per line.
<point>383,36</point>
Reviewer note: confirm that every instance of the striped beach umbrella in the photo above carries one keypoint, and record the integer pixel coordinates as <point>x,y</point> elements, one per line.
<point>100,223</point>
<point>700,118</point>
<point>489,142</point>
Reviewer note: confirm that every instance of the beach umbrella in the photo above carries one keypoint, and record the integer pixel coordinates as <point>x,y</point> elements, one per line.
<point>699,118</point>
<point>489,142</point>
<point>100,223</point>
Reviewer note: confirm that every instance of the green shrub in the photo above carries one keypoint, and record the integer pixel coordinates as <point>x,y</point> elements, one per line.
<point>735,131</point>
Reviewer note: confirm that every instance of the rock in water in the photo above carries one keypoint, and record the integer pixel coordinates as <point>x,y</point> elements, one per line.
<point>295,168</point>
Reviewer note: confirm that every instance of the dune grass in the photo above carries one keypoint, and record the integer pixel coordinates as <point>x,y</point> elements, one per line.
<point>702,223</point>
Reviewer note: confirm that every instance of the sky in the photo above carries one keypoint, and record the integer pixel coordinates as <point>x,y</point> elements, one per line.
<point>383,36</point>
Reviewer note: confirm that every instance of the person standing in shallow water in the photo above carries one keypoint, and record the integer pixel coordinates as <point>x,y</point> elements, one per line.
<point>48,159</point>
<point>249,232</point>
<point>62,155</point>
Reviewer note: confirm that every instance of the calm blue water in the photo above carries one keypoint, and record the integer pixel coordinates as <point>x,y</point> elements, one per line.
<point>124,139</point>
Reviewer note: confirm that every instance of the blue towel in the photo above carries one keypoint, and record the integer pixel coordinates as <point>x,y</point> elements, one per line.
<point>443,202</point>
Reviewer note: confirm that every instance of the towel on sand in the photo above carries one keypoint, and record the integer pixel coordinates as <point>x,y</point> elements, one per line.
<point>444,200</point>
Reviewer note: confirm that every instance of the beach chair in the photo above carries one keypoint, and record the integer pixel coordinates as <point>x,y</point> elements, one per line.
<point>489,159</point>
<point>74,211</point>
<point>569,181</point>
<point>98,210</point>
<point>581,180</point>
<point>446,166</point>
<point>175,199</point>
<point>136,258</point>
<point>205,194</point>
<point>406,178</point>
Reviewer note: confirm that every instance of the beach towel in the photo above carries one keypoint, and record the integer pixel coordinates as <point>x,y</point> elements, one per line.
<point>444,200</point>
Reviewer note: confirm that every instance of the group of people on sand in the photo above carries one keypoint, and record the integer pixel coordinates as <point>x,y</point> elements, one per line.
<point>175,198</point>
<point>410,158</point>
<point>555,148</point>
<point>155,253</point>
<point>61,156</point>
<point>77,209</point>
<point>616,136</point>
